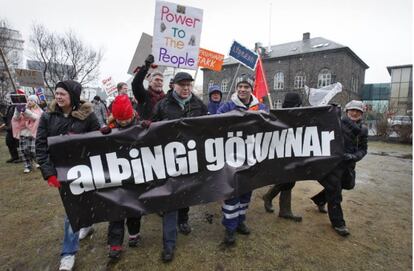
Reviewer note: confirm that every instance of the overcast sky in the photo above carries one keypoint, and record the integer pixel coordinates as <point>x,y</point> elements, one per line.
<point>380,32</point>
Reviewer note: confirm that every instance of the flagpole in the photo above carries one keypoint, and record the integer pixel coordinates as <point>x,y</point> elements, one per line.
<point>232,82</point>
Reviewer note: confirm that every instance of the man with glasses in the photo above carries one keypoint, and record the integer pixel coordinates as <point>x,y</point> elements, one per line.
<point>179,102</point>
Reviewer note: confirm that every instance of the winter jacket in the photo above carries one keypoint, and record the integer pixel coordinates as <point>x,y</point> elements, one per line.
<point>147,99</point>
<point>9,116</point>
<point>214,106</point>
<point>355,136</point>
<point>26,123</point>
<point>169,109</point>
<point>54,123</point>
<point>100,112</point>
<point>235,103</point>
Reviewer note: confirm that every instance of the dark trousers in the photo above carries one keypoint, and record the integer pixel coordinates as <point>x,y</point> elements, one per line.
<point>332,194</point>
<point>12,144</point>
<point>116,230</point>
<point>183,215</point>
<point>169,229</point>
<point>275,189</point>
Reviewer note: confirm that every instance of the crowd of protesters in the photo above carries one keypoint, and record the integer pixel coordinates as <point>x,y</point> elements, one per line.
<point>28,126</point>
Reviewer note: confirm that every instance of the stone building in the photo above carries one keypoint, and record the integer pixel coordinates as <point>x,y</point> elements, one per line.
<point>314,62</point>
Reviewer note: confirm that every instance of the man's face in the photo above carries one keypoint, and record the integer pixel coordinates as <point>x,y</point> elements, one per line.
<point>183,88</point>
<point>215,96</point>
<point>62,98</point>
<point>123,90</point>
<point>244,91</point>
<point>354,115</point>
<point>156,83</point>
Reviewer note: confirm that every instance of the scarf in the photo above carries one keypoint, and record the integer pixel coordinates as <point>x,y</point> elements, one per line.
<point>181,102</point>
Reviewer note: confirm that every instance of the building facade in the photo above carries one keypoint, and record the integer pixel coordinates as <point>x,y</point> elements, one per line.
<point>314,62</point>
<point>376,96</point>
<point>401,96</point>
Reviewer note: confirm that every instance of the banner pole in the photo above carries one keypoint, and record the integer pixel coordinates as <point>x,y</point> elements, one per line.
<point>232,83</point>
<point>7,69</point>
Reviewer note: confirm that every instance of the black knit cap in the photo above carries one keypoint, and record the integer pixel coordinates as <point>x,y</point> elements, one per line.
<point>74,89</point>
<point>292,99</point>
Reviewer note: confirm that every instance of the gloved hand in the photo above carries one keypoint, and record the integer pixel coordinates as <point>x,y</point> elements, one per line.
<point>105,130</point>
<point>149,60</point>
<point>154,66</point>
<point>146,124</point>
<point>21,108</point>
<point>52,181</point>
<point>349,157</point>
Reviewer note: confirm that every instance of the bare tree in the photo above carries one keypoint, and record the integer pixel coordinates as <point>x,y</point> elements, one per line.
<point>63,57</point>
<point>11,44</point>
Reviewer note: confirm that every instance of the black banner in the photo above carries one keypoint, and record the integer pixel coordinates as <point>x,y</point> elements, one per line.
<point>191,161</point>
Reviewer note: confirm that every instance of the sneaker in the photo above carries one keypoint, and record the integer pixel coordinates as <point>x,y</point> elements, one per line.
<point>342,231</point>
<point>37,165</point>
<point>229,238</point>
<point>115,252</point>
<point>67,262</point>
<point>184,228</point>
<point>84,232</point>
<point>27,170</point>
<point>133,241</point>
<point>243,229</point>
<point>167,255</point>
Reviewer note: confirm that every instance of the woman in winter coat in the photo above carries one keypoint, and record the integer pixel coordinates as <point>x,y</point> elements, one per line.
<point>215,96</point>
<point>67,115</point>
<point>25,122</point>
<point>343,176</point>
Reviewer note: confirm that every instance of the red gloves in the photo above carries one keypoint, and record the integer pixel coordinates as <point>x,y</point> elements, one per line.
<point>105,130</point>
<point>53,181</point>
<point>146,124</point>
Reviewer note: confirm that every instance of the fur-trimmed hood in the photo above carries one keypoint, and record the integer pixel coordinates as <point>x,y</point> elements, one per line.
<point>84,110</point>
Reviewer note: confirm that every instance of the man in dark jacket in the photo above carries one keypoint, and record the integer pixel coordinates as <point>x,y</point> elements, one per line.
<point>67,115</point>
<point>343,176</point>
<point>292,99</point>
<point>178,103</point>
<point>147,99</point>
<point>11,142</point>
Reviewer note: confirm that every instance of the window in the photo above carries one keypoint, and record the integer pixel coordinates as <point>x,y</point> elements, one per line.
<point>354,83</point>
<point>279,80</point>
<point>300,80</point>
<point>210,84</point>
<point>324,78</point>
<point>224,84</point>
<point>277,104</point>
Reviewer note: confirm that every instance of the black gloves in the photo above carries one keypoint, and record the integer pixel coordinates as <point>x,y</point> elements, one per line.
<point>105,130</point>
<point>349,157</point>
<point>149,60</point>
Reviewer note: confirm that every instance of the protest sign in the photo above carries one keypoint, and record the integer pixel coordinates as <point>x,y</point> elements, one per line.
<point>109,86</point>
<point>245,56</point>
<point>210,60</point>
<point>177,31</point>
<point>135,171</point>
<point>29,78</point>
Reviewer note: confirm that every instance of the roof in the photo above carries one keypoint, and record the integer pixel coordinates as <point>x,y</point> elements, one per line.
<point>389,68</point>
<point>312,45</point>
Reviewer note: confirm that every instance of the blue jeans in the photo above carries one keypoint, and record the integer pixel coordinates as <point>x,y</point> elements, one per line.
<point>169,230</point>
<point>70,240</point>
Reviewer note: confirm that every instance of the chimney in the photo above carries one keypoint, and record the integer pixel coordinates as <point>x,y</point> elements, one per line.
<point>306,36</point>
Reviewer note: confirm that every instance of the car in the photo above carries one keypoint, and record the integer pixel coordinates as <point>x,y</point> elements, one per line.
<point>400,121</point>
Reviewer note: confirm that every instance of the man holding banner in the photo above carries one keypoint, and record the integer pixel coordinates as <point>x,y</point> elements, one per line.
<point>178,103</point>
<point>234,209</point>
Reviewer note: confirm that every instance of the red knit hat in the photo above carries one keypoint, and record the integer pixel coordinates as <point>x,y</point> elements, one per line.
<point>122,108</point>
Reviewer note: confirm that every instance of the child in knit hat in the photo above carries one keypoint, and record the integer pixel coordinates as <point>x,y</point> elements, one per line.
<point>24,124</point>
<point>123,116</point>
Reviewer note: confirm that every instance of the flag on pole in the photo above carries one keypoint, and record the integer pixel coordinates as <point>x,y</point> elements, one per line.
<point>260,85</point>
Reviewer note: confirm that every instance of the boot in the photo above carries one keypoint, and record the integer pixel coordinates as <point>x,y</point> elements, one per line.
<point>285,206</point>
<point>269,196</point>
<point>229,238</point>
